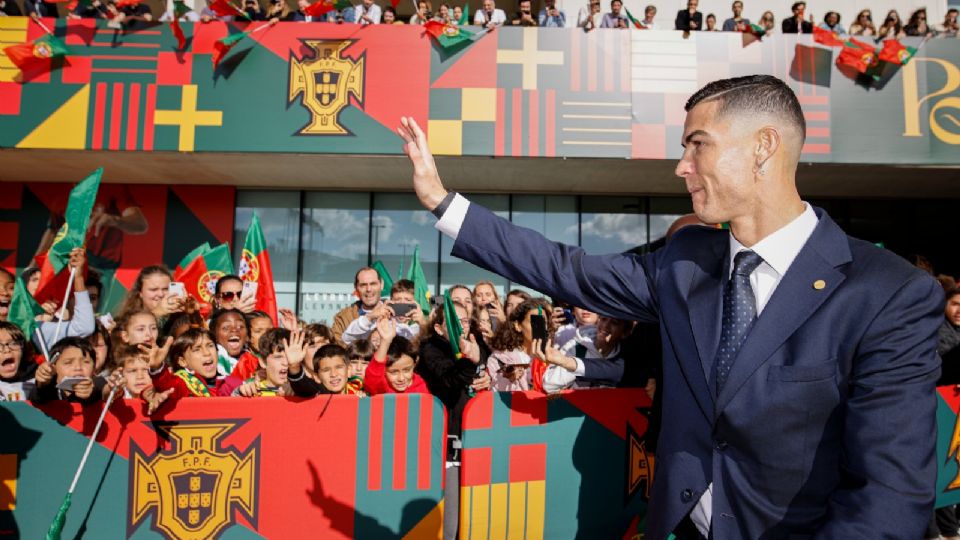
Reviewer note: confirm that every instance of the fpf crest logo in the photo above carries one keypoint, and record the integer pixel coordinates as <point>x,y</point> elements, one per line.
<point>193,489</point>
<point>326,81</point>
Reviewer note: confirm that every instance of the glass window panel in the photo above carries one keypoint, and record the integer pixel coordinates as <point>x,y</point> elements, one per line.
<point>554,216</point>
<point>279,213</point>
<point>399,225</point>
<point>454,270</point>
<point>612,224</point>
<point>336,240</point>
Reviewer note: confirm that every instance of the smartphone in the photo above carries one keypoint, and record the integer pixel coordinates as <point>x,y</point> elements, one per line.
<point>401,309</point>
<point>493,319</point>
<point>177,288</point>
<point>538,325</point>
<point>69,382</point>
<point>250,289</point>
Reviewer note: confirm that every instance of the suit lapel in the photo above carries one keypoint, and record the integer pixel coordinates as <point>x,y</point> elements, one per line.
<point>793,302</point>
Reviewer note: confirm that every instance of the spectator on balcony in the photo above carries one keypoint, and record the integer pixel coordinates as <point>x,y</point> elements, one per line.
<point>917,25</point>
<point>768,22</point>
<point>616,18</point>
<point>949,28</point>
<point>797,24</point>
<point>191,16</point>
<point>424,13</point>
<point>689,19</point>
<point>136,15</point>
<point>94,10</point>
<point>892,27</point>
<point>252,9</point>
<point>368,13</point>
<point>277,10</point>
<point>443,14</point>
<point>648,14</point>
<point>711,23</point>
<point>831,22</point>
<point>9,8</point>
<point>37,9</point>
<point>390,16</point>
<point>863,25</point>
<point>589,15</point>
<point>737,23</point>
<point>489,16</point>
<point>299,15</point>
<point>457,15</point>
<point>551,16</point>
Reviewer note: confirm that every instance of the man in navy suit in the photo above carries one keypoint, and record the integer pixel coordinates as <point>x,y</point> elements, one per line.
<point>799,363</point>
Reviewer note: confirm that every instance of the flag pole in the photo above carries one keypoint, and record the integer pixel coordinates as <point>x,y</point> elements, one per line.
<point>56,527</point>
<point>63,306</point>
<point>38,335</point>
<point>39,22</point>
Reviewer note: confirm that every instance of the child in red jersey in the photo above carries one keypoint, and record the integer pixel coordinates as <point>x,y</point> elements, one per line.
<point>391,371</point>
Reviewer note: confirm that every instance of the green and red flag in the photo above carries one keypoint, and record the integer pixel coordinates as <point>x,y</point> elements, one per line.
<point>448,35</point>
<point>318,9</point>
<point>24,309</point>
<point>755,30</point>
<point>54,279</point>
<point>827,37</point>
<point>895,52</point>
<point>200,275</point>
<point>191,255</point>
<point>454,329</point>
<point>179,10</point>
<point>635,22</point>
<point>37,53</point>
<point>224,8</point>
<point>255,267</point>
<point>222,46</point>
<point>384,275</point>
<point>421,290</point>
<point>858,55</point>
<point>464,15</point>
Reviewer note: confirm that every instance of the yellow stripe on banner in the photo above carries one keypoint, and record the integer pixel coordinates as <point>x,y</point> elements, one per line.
<point>8,480</point>
<point>14,23</point>
<point>480,512</point>
<point>536,502</point>
<point>498,511</point>
<point>12,37</point>
<point>518,510</point>
<point>6,63</point>
<point>465,511</point>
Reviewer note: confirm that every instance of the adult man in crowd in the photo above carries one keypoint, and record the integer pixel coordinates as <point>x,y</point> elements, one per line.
<point>368,287</point>
<point>489,16</point>
<point>524,15</point>
<point>616,17</point>
<point>796,24</point>
<point>648,14</point>
<point>689,19</point>
<point>737,23</point>
<point>368,13</point>
<point>800,364</point>
<point>551,16</point>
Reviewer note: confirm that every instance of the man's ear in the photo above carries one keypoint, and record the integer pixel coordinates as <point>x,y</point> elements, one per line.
<point>769,141</point>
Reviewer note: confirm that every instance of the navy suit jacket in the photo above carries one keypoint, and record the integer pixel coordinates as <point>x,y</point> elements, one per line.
<point>826,425</point>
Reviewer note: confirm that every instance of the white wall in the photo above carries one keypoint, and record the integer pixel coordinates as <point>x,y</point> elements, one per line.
<point>752,9</point>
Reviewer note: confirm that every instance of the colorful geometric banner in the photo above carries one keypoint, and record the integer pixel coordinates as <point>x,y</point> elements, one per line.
<point>332,467</point>
<point>948,445</point>
<point>573,465</point>
<point>328,88</point>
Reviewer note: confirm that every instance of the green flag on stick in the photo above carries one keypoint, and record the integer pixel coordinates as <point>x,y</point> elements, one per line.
<point>454,330</point>
<point>24,309</point>
<point>421,290</point>
<point>384,275</point>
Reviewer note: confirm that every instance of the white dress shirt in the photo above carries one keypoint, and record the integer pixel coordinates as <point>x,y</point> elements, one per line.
<point>498,17</point>
<point>373,12</point>
<point>778,251</point>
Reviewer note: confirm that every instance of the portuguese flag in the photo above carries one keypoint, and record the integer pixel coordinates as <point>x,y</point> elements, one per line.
<point>37,53</point>
<point>447,35</point>
<point>895,52</point>
<point>857,55</point>
<point>24,310</point>
<point>189,257</point>
<point>464,15</point>
<point>633,20</point>
<point>384,275</point>
<point>421,290</point>
<point>179,10</point>
<point>827,37</point>
<point>318,9</point>
<point>200,275</point>
<point>54,276</point>
<point>224,8</point>
<point>222,46</point>
<point>255,267</point>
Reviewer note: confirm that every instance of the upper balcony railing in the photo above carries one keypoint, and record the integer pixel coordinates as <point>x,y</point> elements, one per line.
<point>341,89</point>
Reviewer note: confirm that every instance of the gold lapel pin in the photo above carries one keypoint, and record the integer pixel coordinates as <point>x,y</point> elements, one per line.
<point>819,284</point>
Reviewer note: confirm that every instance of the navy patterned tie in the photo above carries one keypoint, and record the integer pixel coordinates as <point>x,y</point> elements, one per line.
<point>739,312</point>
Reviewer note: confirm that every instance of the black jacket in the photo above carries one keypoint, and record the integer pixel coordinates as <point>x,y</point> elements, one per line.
<point>684,18</point>
<point>447,377</point>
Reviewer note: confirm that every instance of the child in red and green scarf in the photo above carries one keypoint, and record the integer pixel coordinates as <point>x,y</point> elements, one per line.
<point>194,359</point>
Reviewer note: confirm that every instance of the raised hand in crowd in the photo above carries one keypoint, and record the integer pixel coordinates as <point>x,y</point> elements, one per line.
<point>154,399</point>
<point>295,348</point>
<point>156,353</point>
<point>288,319</point>
<point>469,348</point>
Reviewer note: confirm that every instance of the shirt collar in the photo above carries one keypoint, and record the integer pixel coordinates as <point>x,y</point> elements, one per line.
<point>780,248</point>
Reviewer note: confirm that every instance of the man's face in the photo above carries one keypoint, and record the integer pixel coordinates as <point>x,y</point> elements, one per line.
<point>6,294</point>
<point>650,13</point>
<point>692,4</point>
<point>332,372</point>
<point>525,7</point>
<point>488,5</point>
<point>615,7</point>
<point>302,4</point>
<point>953,310</point>
<point>737,8</point>
<point>369,288</point>
<point>799,9</point>
<point>367,3</point>
<point>229,296</point>
<point>357,368</point>
<point>717,165</point>
<point>610,332</point>
<point>462,296</point>
<point>550,3</point>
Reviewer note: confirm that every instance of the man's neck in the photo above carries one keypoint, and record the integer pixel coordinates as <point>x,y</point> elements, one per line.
<point>749,230</point>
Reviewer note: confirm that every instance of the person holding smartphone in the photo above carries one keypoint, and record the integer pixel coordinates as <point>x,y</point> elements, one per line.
<point>401,308</point>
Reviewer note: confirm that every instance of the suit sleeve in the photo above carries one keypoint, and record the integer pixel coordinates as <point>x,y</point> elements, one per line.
<point>888,467</point>
<point>618,285</point>
<point>603,370</point>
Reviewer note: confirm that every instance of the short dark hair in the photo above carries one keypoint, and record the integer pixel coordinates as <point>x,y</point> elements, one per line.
<point>360,349</point>
<point>315,330</point>
<point>328,351</point>
<point>950,293</point>
<point>273,340</point>
<point>401,346</point>
<point>753,94</point>
<point>16,334</point>
<point>185,342</point>
<point>223,278</point>
<point>79,342</point>
<point>221,313</point>
<point>796,5</point>
<point>403,285</point>
<point>124,354</point>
